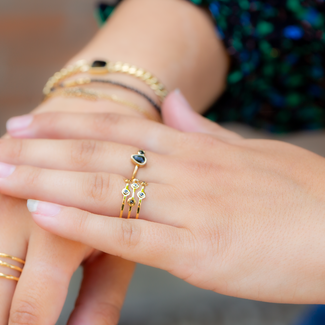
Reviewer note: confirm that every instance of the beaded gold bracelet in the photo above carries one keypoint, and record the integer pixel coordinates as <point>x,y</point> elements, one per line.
<point>104,67</point>
<point>93,95</point>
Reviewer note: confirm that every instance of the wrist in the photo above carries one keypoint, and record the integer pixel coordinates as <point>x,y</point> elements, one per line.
<point>184,54</point>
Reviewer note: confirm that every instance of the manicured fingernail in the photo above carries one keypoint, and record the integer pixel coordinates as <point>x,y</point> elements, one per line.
<point>182,100</point>
<point>19,123</point>
<point>43,208</point>
<point>6,170</point>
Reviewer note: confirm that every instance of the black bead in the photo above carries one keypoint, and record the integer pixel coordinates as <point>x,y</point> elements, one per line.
<point>139,159</point>
<point>99,64</point>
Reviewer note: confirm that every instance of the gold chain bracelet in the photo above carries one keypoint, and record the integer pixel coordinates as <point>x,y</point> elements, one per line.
<point>93,95</point>
<point>104,67</point>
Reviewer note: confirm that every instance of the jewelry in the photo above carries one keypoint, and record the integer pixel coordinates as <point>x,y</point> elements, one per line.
<point>131,201</point>
<point>87,81</point>
<point>139,160</point>
<point>141,195</point>
<point>125,193</point>
<point>13,267</point>
<point>92,94</point>
<point>104,67</point>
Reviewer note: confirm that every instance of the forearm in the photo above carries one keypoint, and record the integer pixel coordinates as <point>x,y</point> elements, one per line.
<point>172,39</point>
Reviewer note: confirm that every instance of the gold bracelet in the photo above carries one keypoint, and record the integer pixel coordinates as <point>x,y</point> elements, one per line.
<point>93,95</point>
<point>104,67</point>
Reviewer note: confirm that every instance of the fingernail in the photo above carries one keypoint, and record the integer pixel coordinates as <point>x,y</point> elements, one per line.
<point>19,123</point>
<point>182,100</point>
<point>6,170</point>
<point>43,208</point>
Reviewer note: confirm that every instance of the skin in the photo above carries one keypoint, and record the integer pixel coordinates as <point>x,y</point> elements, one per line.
<point>240,217</point>
<point>171,52</point>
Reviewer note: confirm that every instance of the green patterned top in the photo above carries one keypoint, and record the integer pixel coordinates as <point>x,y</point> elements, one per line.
<point>276,81</point>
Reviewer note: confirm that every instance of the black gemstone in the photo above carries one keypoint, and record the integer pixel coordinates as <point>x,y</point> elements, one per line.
<point>141,152</point>
<point>99,64</point>
<point>139,159</point>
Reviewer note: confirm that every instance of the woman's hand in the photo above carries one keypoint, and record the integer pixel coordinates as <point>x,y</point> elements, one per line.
<point>240,217</point>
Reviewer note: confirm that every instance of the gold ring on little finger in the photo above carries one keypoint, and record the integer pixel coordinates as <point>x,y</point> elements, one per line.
<point>10,266</point>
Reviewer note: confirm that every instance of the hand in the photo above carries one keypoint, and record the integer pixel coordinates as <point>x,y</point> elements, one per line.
<point>51,260</point>
<point>241,217</point>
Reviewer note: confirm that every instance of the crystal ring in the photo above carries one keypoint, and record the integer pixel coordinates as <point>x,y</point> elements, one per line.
<point>133,185</point>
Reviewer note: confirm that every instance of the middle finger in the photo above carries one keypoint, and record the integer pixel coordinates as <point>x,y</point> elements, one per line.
<point>81,155</point>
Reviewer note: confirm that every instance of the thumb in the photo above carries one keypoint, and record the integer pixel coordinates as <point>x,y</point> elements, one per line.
<point>178,114</point>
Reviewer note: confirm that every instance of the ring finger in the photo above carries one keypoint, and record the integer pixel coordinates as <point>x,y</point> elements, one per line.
<point>98,193</point>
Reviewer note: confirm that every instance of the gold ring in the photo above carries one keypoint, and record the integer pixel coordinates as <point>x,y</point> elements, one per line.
<point>141,195</point>
<point>139,160</point>
<point>10,266</point>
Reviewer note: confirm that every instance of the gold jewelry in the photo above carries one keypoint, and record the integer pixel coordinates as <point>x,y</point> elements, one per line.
<point>13,267</point>
<point>93,95</point>
<point>131,200</point>
<point>104,67</point>
<point>141,195</point>
<point>139,160</point>
<point>125,193</point>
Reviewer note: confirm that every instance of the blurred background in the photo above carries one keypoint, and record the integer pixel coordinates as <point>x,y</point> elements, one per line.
<point>37,37</point>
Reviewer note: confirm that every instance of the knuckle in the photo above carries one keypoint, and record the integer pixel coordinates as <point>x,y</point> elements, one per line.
<point>129,234</point>
<point>82,224</point>
<point>12,151</point>
<point>82,152</point>
<point>103,313</point>
<point>17,150</point>
<point>104,122</point>
<point>97,186</point>
<point>32,175</point>
<point>25,313</point>
<point>107,312</point>
<point>197,140</point>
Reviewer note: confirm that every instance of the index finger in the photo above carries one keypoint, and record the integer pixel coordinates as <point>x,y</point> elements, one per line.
<point>122,129</point>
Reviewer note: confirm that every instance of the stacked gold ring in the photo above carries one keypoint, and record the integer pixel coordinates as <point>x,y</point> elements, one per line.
<point>139,160</point>
<point>10,266</point>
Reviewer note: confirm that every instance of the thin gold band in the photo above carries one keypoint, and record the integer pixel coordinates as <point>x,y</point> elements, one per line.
<point>10,266</point>
<point>141,195</point>
<point>13,267</point>
<point>12,258</point>
<point>93,95</point>
<point>131,200</point>
<point>125,193</point>
<point>9,277</point>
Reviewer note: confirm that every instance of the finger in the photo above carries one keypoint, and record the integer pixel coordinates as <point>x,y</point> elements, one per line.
<point>12,245</point>
<point>178,113</point>
<point>104,286</point>
<point>43,286</point>
<point>81,155</point>
<point>95,192</point>
<point>139,241</point>
<point>113,127</point>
